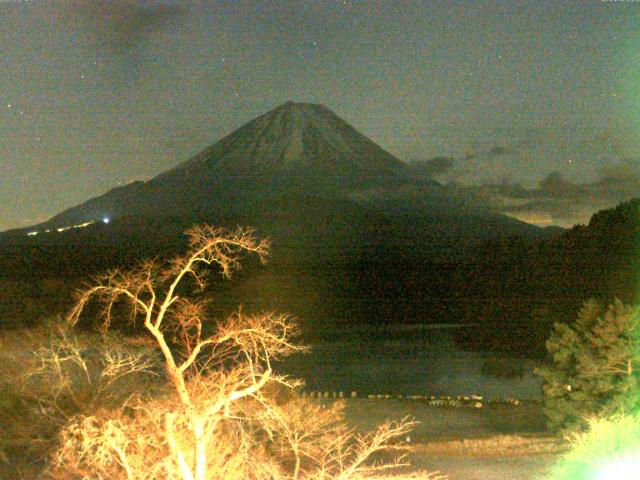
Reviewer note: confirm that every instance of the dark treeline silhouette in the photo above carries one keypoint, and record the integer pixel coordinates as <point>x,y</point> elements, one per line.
<point>516,290</point>
<point>337,263</point>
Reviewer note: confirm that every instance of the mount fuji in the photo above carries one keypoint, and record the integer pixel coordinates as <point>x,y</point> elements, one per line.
<point>300,174</point>
<point>357,234</point>
<point>296,148</point>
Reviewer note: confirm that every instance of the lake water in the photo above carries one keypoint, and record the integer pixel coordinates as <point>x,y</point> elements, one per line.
<point>411,360</point>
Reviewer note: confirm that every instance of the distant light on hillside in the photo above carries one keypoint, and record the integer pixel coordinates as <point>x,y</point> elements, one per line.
<point>105,220</point>
<point>64,229</point>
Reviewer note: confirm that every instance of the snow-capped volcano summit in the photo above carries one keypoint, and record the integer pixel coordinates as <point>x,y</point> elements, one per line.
<point>301,142</point>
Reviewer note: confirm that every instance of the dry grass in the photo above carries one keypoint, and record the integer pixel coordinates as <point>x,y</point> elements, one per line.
<point>25,439</point>
<point>46,379</point>
<point>494,446</point>
<point>419,475</point>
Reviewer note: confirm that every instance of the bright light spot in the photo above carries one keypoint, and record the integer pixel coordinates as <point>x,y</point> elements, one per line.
<point>31,234</point>
<point>625,468</point>
<point>105,220</point>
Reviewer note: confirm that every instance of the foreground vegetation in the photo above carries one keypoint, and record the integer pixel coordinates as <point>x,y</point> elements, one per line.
<point>125,404</point>
<point>445,439</point>
<point>594,366</point>
<point>216,410</point>
<point>591,392</point>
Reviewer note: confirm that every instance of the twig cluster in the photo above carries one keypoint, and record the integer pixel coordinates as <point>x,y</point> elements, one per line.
<point>228,414</point>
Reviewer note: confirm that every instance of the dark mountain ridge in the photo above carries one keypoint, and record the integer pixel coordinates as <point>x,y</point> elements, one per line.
<point>296,148</point>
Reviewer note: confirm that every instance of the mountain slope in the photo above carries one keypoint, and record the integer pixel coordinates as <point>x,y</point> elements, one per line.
<point>357,235</point>
<point>300,142</point>
<point>272,172</point>
<point>295,147</point>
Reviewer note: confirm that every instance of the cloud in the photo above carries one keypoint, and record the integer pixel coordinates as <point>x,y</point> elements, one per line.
<point>434,166</point>
<point>121,26</point>
<point>557,211</point>
<point>557,200</point>
<point>484,153</point>
<point>556,187</point>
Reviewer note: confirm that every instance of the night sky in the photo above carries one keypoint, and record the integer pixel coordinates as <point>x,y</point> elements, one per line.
<point>533,107</point>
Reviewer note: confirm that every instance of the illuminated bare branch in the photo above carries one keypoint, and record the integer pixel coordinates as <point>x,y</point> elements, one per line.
<point>222,419</point>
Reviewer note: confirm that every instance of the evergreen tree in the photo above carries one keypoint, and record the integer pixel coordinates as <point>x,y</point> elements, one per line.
<point>595,366</point>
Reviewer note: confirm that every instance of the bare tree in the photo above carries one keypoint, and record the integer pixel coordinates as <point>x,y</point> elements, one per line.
<point>222,417</point>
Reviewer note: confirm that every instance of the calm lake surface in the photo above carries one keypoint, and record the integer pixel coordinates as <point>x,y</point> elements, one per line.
<point>411,359</point>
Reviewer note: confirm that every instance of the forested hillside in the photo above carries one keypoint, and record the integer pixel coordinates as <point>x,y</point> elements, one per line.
<point>515,290</point>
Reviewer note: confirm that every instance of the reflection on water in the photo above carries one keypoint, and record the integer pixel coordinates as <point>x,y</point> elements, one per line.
<point>411,359</point>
